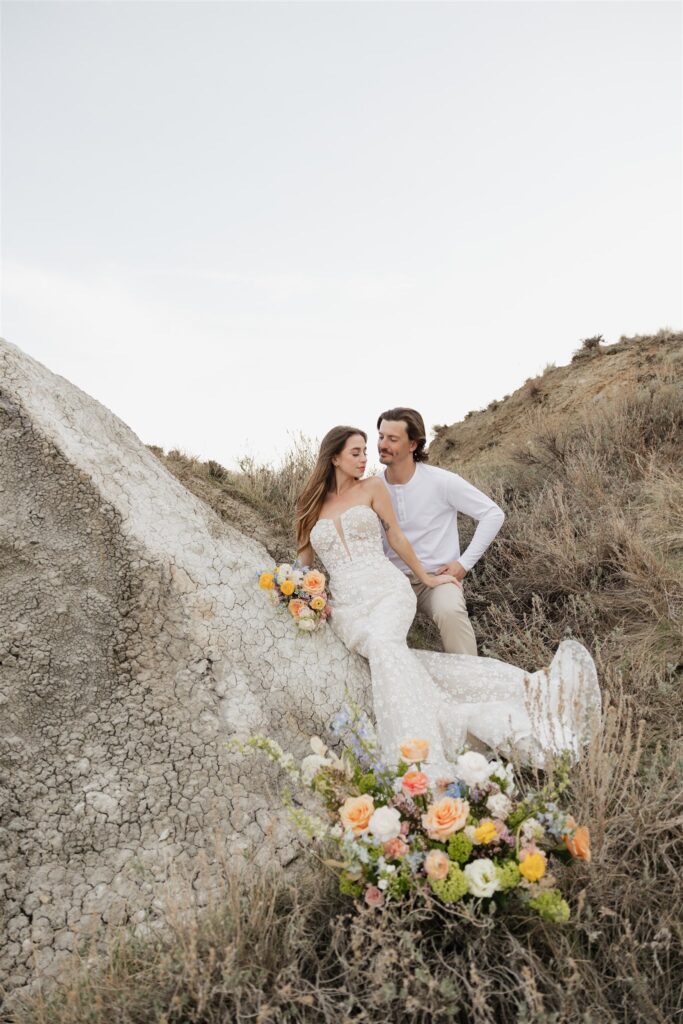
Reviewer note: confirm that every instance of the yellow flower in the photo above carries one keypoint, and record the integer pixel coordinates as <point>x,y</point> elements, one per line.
<point>533,867</point>
<point>317,604</point>
<point>265,581</point>
<point>486,832</point>
<point>287,588</point>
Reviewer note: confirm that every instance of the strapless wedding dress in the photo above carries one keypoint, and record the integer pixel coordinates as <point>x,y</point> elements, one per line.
<point>444,697</point>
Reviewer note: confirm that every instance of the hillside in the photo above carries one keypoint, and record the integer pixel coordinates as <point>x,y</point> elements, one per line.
<point>586,461</point>
<point>598,375</point>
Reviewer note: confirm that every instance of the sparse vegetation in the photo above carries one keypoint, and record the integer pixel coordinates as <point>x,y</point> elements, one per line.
<point>592,547</point>
<point>589,347</point>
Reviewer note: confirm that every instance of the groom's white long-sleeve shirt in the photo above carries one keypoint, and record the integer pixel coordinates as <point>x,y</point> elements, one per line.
<point>427,511</point>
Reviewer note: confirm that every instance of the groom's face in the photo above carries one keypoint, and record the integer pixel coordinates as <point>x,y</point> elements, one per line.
<point>393,443</point>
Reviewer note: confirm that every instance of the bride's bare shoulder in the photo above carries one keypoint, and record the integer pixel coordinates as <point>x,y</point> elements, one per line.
<point>373,485</point>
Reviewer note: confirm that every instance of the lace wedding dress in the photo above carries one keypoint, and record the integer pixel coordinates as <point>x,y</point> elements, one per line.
<point>444,697</point>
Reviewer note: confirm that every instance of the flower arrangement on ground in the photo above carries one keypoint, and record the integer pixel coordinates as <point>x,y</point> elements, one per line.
<point>474,837</point>
<point>301,591</point>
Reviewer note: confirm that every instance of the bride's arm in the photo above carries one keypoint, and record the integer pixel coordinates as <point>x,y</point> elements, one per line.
<point>380,502</point>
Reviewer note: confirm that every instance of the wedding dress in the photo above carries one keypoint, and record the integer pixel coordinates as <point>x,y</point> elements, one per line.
<point>444,697</point>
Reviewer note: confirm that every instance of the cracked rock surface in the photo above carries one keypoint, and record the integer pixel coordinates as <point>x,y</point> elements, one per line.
<point>133,644</point>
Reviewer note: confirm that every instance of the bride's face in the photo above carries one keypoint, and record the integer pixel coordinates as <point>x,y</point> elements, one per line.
<point>353,458</point>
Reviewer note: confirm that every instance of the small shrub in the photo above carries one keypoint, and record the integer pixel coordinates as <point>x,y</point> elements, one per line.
<point>216,471</point>
<point>589,347</point>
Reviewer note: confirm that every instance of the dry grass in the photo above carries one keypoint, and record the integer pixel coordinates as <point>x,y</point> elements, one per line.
<point>593,548</point>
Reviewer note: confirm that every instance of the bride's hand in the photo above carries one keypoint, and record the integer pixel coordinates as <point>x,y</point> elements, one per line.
<point>436,581</point>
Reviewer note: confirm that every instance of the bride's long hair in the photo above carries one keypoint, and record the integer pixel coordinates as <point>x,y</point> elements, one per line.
<point>312,497</point>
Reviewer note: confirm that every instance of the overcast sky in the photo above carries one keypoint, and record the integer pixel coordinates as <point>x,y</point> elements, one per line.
<point>230,222</point>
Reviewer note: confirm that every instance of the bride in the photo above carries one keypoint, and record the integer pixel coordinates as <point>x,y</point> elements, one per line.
<point>447,699</point>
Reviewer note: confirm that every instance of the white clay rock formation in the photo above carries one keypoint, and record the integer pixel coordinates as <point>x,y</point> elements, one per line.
<point>133,644</point>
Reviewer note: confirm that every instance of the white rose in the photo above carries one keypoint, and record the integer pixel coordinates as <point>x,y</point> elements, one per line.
<point>385,824</point>
<point>481,877</point>
<point>472,768</point>
<point>297,577</point>
<point>282,573</point>
<point>306,613</point>
<point>307,625</point>
<point>310,765</point>
<point>499,805</point>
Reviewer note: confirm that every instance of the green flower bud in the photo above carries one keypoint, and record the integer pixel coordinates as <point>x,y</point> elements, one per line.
<point>459,848</point>
<point>551,906</point>
<point>508,874</point>
<point>451,888</point>
<point>348,887</point>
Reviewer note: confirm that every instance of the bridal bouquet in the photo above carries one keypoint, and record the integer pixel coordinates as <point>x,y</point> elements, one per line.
<point>387,832</point>
<point>301,591</point>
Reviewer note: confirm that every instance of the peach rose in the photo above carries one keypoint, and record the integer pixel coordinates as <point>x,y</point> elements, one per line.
<point>374,897</point>
<point>445,816</point>
<point>414,750</point>
<point>356,812</point>
<point>414,783</point>
<point>287,588</point>
<point>395,848</point>
<point>296,605</point>
<point>436,864</point>
<point>318,604</point>
<point>579,844</point>
<point>314,582</point>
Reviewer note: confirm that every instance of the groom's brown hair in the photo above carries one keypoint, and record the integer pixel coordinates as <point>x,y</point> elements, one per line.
<point>415,426</point>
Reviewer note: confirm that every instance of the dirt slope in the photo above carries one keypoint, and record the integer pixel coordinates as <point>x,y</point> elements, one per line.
<point>596,375</point>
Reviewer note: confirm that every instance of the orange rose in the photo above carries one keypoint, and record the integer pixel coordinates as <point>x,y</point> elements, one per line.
<point>295,606</point>
<point>445,816</point>
<point>437,864</point>
<point>414,750</point>
<point>314,583</point>
<point>356,812</point>
<point>414,783</point>
<point>579,844</point>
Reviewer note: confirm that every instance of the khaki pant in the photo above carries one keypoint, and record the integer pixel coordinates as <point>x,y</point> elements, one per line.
<point>446,606</point>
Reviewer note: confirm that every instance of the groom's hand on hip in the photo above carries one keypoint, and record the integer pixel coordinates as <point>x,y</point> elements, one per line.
<point>454,569</point>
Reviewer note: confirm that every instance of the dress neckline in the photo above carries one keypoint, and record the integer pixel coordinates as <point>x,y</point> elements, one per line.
<point>328,519</point>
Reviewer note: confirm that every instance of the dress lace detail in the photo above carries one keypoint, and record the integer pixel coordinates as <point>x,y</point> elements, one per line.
<point>444,697</point>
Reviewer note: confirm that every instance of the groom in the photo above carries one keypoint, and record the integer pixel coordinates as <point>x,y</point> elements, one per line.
<point>427,500</point>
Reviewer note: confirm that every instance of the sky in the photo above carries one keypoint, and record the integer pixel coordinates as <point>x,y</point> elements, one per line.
<point>232,223</point>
